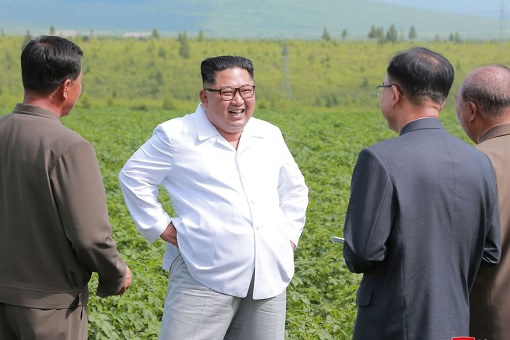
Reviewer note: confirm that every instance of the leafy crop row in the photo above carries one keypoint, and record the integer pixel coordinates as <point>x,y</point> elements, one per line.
<point>321,297</point>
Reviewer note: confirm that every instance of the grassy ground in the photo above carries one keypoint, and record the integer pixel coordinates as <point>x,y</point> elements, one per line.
<point>321,297</point>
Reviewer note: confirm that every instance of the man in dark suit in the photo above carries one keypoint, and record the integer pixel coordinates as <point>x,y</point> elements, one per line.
<point>483,111</point>
<point>54,228</point>
<point>422,214</point>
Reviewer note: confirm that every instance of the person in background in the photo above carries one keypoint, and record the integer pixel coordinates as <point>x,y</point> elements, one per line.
<point>240,202</point>
<point>483,111</point>
<point>54,227</point>
<point>422,214</point>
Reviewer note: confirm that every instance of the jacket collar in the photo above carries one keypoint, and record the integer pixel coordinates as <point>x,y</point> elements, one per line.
<point>497,131</point>
<point>32,110</point>
<point>422,123</point>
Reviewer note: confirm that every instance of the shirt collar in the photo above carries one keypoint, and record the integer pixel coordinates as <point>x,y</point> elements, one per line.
<point>204,127</point>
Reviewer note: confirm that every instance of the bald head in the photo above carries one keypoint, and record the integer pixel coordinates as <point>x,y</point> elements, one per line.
<point>483,100</point>
<point>488,87</point>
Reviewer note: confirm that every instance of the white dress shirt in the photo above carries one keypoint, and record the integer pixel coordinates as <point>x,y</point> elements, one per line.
<point>237,210</point>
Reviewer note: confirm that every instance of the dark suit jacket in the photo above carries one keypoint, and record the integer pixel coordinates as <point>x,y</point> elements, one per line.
<point>421,216</point>
<point>490,296</point>
<point>54,228</point>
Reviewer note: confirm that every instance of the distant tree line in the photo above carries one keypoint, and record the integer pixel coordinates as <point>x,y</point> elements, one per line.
<point>391,35</point>
<point>378,34</point>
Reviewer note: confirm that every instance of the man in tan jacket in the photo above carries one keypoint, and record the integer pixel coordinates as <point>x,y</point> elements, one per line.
<point>483,110</point>
<point>54,225</point>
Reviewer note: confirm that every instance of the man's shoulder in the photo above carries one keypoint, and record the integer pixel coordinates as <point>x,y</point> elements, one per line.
<point>385,145</point>
<point>186,124</point>
<point>438,140</point>
<point>496,138</point>
<point>39,127</point>
<point>263,126</point>
<point>176,122</point>
<point>500,142</point>
<point>63,140</point>
<point>261,122</point>
<point>59,132</point>
<point>497,150</point>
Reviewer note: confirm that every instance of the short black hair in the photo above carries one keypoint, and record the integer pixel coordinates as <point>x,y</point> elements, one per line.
<point>47,61</point>
<point>211,66</point>
<point>420,73</point>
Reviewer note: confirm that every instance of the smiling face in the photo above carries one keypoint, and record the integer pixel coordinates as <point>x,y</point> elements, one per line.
<point>228,116</point>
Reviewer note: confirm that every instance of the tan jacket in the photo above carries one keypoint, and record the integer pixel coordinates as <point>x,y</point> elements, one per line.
<point>490,296</point>
<point>54,225</point>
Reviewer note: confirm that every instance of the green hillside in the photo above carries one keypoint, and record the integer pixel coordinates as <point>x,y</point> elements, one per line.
<point>152,74</point>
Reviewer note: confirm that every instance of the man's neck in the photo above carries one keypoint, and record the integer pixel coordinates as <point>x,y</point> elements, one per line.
<point>43,102</point>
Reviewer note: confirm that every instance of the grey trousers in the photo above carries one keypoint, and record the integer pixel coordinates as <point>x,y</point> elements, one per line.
<point>194,312</point>
<point>22,323</point>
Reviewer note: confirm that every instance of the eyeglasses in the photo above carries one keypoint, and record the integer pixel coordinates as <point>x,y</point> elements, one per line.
<point>380,87</point>
<point>228,92</point>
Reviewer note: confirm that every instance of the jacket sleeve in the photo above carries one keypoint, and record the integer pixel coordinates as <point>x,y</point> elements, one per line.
<point>492,246</point>
<point>368,220</point>
<point>80,196</point>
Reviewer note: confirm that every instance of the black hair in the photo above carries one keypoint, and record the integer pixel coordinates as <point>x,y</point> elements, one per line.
<point>211,66</point>
<point>47,61</point>
<point>420,73</point>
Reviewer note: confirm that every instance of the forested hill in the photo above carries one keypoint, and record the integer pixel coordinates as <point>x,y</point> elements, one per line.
<point>165,72</point>
<point>241,19</point>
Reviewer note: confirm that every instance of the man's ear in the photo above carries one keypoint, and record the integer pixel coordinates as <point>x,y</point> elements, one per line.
<point>64,88</point>
<point>397,96</point>
<point>203,98</point>
<point>473,112</point>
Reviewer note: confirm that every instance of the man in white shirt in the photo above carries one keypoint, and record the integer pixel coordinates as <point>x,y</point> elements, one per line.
<point>240,206</point>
